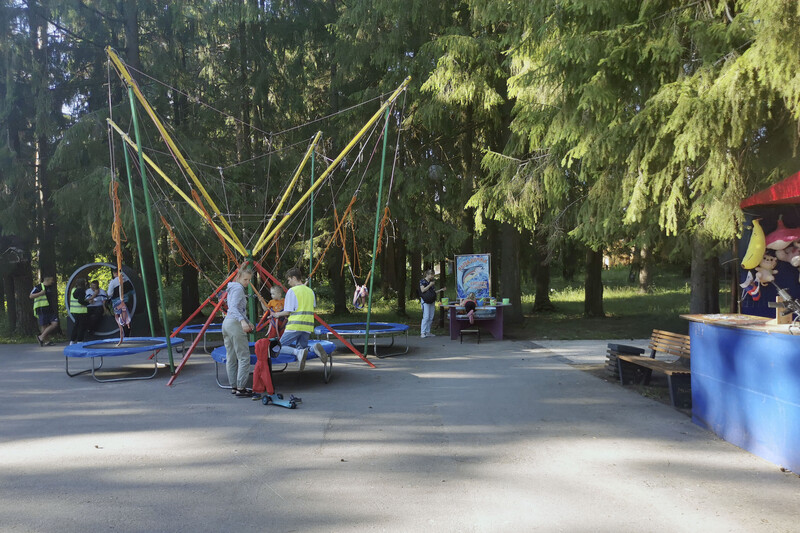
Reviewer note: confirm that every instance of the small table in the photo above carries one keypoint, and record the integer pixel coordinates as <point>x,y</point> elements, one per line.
<point>494,325</point>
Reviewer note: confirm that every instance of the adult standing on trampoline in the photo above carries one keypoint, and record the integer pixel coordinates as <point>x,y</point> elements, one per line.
<point>235,328</point>
<point>299,306</point>
<point>427,294</point>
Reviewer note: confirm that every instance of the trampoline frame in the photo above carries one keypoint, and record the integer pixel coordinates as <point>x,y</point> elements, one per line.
<point>215,328</point>
<point>77,351</point>
<point>392,331</point>
<point>282,359</point>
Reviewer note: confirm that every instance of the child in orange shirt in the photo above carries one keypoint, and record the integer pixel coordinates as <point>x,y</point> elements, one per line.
<point>275,305</point>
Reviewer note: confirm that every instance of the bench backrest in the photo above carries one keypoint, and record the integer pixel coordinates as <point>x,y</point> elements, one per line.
<point>669,343</point>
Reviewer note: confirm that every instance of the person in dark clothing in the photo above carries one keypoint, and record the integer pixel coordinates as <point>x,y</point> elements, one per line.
<point>78,308</point>
<point>45,305</point>
<point>96,298</point>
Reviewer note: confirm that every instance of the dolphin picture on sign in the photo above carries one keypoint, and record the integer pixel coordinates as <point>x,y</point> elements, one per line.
<point>473,274</point>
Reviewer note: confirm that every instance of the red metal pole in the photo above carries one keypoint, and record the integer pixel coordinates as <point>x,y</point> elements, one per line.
<point>196,340</point>
<point>197,311</point>
<point>335,334</point>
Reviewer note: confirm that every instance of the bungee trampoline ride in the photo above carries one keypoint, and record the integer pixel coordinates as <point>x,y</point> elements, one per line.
<point>367,331</point>
<point>115,348</point>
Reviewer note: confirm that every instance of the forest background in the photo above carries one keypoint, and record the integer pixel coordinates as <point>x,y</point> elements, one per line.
<point>546,133</point>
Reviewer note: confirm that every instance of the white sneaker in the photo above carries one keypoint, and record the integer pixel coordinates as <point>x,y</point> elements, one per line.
<point>430,335</point>
<point>302,358</point>
<point>422,336</point>
<point>320,351</point>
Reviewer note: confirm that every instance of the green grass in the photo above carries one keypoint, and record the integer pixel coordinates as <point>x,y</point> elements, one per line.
<point>629,314</point>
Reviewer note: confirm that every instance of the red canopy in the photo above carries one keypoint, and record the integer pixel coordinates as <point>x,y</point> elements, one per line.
<point>783,192</point>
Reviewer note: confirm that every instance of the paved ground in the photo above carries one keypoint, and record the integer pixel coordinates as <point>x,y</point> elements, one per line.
<point>501,436</point>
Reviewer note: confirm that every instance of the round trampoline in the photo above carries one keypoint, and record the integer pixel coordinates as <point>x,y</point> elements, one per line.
<point>109,348</point>
<point>355,330</point>
<point>220,357</point>
<point>194,329</point>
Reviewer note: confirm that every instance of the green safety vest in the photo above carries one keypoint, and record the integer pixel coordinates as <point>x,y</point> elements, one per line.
<point>303,318</point>
<point>41,300</point>
<point>75,307</point>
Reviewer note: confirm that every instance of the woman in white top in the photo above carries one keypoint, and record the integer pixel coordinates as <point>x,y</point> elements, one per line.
<point>235,328</point>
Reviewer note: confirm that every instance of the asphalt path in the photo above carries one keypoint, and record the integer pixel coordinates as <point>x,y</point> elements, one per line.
<point>497,436</point>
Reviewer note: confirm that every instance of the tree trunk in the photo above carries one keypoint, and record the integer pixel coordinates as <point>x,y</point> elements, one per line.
<point>704,282</point>
<point>190,291</point>
<point>23,283</point>
<point>11,300</point>
<point>540,271</point>
<point>442,282</point>
<point>644,269</point>
<point>400,269</point>
<point>43,104</point>
<point>388,273</point>
<point>593,287</point>
<point>334,260</point>
<point>569,260</point>
<point>132,33</point>
<point>415,258</point>
<point>541,300</point>
<point>734,288</point>
<point>495,248</point>
<point>510,274</point>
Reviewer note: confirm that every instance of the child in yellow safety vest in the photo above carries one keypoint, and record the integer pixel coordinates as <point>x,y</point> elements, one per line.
<point>299,306</point>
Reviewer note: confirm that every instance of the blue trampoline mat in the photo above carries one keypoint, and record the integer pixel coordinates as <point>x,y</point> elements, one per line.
<point>360,328</point>
<point>109,348</point>
<point>194,329</point>
<point>220,355</point>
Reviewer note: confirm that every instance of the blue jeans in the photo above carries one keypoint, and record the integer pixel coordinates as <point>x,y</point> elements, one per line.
<point>428,310</point>
<point>294,342</point>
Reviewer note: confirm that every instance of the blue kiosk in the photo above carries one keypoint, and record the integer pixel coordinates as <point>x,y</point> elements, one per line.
<point>746,367</point>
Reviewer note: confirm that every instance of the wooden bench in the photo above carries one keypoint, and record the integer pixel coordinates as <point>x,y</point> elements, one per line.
<point>633,368</point>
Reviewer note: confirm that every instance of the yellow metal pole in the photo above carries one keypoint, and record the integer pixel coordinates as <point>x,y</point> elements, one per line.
<point>260,243</point>
<point>173,147</point>
<point>172,184</point>
<point>339,158</point>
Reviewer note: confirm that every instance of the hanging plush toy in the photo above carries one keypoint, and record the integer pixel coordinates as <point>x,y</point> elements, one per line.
<point>765,271</point>
<point>360,296</point>
<point>755,248</point>
<point>781,237</point>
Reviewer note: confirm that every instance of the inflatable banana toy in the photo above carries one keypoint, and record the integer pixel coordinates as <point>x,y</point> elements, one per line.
<point>756,247</point>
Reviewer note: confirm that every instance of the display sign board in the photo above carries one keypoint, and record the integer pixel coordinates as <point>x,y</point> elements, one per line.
<point>474,274</point>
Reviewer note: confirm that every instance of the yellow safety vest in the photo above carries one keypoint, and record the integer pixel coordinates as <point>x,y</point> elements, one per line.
<point>75,307</point>
<point>303,318</point>
<point>40,301</point>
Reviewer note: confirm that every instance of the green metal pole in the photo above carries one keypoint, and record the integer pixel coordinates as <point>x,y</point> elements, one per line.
<point>138,239</point>
<point>311,245</point>
<point>251,302</point>
<point>375,237</point>
<point>153,240</point>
